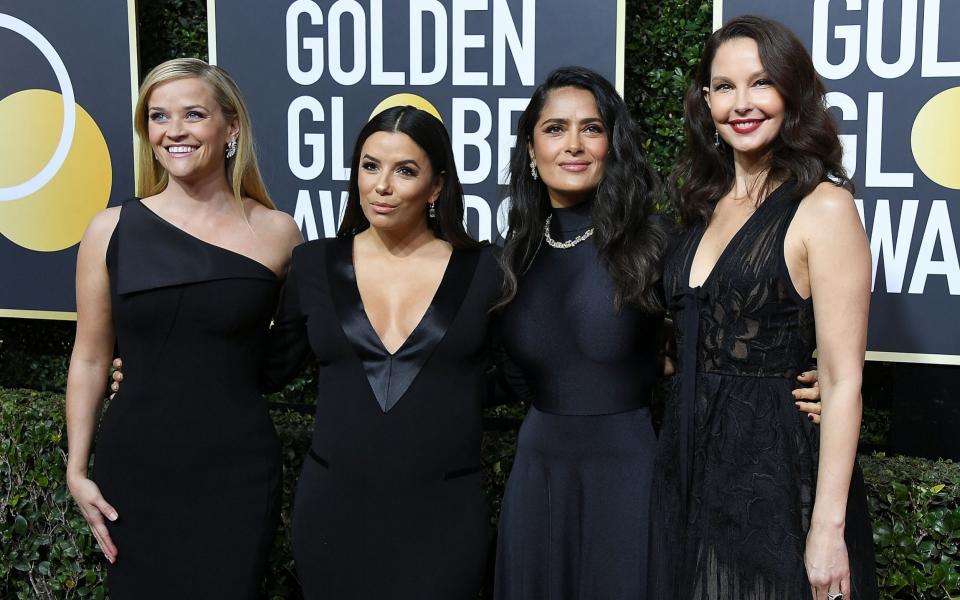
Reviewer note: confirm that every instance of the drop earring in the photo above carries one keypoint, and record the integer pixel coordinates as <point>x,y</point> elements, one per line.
<point>716,138</point>
<point>533,170</point>
<point>432,212</point>
<point>231,148</point>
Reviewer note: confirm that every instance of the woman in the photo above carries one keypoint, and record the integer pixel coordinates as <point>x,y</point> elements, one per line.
<point>396,311</point>
<point>185,496</point>
<point>751,501</point>
<point>581,318</point>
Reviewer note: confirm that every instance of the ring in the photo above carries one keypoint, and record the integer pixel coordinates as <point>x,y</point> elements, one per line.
<point>836,596</point>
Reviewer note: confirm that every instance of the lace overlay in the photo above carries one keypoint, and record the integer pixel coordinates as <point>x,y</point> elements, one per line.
<point>735,473</point>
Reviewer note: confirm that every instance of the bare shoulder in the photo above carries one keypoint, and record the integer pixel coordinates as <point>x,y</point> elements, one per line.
<point>101,226</point>
<point>276,225</point>
<point>826,210</point>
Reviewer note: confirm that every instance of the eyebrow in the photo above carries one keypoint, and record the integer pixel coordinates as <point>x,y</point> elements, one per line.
<point>191,107</point>
<point>564,121</point>
<point>408,161</point>
<point>753,75</point>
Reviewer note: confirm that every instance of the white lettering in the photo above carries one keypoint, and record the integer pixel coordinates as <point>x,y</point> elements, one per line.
<point>908,39</point>
<point>377,75</point>
<point>850,34</point>
<point>931,65</point>
<point>294,139</point>
<point>477,139</point>
<point>339,8</point>
<point>848,112</point>
<point>506,139</point>
<point>462,41</point>
<point>417,74</point>
<point>314,45</point>
<point>874,176</point>
<point>303,215</point>
<point>938,227</point>
<point>483,215</point>
<point>505,32</point>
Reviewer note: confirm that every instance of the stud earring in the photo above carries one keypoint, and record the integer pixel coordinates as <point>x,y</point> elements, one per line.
<point>231,148</point>
<point>533,169</point>
<point>432,212</point>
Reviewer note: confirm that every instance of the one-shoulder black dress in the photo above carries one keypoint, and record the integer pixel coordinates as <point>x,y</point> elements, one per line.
<point>186,451</point>
<point>736,469</point>
<point>574,520</point>
<point>390,501</point>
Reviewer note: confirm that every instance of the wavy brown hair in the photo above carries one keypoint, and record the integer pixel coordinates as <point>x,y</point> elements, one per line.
<point>807,150</point>
<point>630,243</point>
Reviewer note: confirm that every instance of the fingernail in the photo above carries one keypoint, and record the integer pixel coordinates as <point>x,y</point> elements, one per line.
<point>113,516</point>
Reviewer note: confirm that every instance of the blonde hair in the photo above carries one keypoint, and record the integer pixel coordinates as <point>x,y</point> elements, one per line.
<point>241,171</point>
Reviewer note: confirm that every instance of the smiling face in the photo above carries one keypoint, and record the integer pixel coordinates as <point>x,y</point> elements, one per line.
<point>187,129</point>
<point>747,109</point>
<point>569,145</point>
<point>396,182</point>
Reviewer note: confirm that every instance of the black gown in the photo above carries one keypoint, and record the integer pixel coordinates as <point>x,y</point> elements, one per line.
<point>186,451</point>
<point>574,520</point>
<point>736,469</point>
<point>390,502</point>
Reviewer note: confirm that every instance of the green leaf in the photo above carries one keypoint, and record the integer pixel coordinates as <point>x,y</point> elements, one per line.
<point>20,525</point>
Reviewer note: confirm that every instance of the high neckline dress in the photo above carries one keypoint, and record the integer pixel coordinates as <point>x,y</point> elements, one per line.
<point>574,520</point>
<point>735,476</point>
<point>186,451</point>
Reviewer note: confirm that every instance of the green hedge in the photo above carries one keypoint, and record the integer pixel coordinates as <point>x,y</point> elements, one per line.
<point>46,550</point>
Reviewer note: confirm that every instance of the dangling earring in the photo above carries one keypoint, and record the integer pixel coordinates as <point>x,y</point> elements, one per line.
<point>231,148</point>
<point>533,169</point>
<point>432,212</point>
<point>716,138</point>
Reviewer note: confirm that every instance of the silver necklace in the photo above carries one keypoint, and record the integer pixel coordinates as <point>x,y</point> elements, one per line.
<point>563,245</point>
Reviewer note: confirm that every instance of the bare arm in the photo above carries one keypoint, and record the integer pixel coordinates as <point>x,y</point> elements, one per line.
<point>87,377</point>
<point>838,261</point>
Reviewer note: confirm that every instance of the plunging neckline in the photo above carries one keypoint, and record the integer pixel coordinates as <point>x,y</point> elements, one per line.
<point>203,241</point>
<point>423,316</point>
<point>772,196</point>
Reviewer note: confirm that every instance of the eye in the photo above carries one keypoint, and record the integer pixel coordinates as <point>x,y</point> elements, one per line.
<point>195,115</point>
<point>157,116</point>
<point>722,87</point>
<point>593,128</point>
<point>763,83</point>
<point>370,167</point>
<point>553,129</point>
<point>406,171</point>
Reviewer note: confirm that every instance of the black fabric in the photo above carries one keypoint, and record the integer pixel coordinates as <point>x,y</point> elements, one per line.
<point>186,451</point>
<point>735,476</point>
<point>391,374</point>
<point>574,518</point>
<point>394,507</point>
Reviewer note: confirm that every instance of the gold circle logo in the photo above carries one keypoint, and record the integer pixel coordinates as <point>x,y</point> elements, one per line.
<point>55,170</point>
<point>405,99</point>
<point>936,139</point>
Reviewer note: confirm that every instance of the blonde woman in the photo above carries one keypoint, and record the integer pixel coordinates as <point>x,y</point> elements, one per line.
<point>184,497</point>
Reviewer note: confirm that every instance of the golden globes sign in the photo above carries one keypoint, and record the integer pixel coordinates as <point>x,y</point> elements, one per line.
<point>314,72</point>
<point>893,72</point>
<point>66,150</point>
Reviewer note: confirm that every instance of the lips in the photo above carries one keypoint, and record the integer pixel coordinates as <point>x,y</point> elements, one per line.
<point>745,126</point>
<point>180,151</point>
<point>575,166</point>
<point>382,208</point>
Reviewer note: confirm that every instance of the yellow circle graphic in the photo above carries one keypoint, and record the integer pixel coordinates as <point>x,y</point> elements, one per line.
<point>936,139</point>
<point>406,100</point>
<point>55,216</point>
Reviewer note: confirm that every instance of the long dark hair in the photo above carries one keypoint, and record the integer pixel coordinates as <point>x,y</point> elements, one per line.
<point>629,243</point>
<point>430,134</point>
<point>807,150</point>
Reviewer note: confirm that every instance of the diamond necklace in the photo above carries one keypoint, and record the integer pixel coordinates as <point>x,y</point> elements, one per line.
<point>563,245</point>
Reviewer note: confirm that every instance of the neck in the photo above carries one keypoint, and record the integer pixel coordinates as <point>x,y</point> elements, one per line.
<point>211,193</point>
<point>560,199</point>
<point>398,243</point>
<point>750,174</point>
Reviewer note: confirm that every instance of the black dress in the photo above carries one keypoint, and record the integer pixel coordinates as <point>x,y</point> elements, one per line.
<point>187,452</point>
<point>574,520</point>
<point>736,468</point>
<point>390,502</point>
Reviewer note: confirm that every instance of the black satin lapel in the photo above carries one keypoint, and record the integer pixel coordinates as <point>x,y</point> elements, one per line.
<point>353,319</point>
<point>152,253</point>
<point>410,359</point>
<point>389,375</point>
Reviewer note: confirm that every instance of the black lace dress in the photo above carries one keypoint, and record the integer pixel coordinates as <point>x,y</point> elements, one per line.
<point>736,467</point>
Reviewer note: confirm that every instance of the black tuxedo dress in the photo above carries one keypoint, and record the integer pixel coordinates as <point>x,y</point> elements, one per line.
<point>390,502</point>
<point>186,451</point>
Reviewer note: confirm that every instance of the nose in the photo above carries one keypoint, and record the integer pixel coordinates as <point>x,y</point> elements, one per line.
<point>743,101</point>
<point>175,129</point>
<point>574,144</point>
<point>383,185</point>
